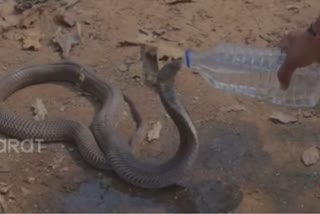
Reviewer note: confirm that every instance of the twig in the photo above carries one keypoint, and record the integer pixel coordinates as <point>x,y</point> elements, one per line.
<point>179,2</point>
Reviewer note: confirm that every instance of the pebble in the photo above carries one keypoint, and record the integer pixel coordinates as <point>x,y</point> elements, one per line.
<point>25,191</point>
<point>30,180</point>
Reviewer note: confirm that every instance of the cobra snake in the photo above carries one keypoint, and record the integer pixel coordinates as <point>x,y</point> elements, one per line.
<point>101,145</point>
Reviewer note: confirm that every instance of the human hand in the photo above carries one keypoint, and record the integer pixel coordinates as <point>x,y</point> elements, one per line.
<point>302,49</point>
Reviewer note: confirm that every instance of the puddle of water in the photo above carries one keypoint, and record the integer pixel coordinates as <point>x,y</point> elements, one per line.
<point>202,197</point>
<point>202,194</point>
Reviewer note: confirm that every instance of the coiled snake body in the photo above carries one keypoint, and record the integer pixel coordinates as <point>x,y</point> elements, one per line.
<point>102,146</point>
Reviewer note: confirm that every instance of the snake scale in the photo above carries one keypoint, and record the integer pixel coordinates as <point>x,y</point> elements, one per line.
<point>101,145</point>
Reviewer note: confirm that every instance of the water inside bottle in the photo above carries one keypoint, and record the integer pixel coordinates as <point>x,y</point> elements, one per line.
<point>253,72</point>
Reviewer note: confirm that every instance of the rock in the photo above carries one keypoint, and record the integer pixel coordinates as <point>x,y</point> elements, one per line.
<point>64,169</point>
<point>284,118</point>
<point>310,156</point>
<point>66,19</point>
<point>233,108</point>
<point>123,68</point>
<point>25,191</point>
<point>30,180</point>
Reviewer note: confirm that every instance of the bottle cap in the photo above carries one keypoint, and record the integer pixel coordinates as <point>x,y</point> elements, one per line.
<point>187,57</point>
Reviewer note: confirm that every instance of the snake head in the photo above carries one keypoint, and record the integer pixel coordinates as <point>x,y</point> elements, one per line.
<point>169,71</point>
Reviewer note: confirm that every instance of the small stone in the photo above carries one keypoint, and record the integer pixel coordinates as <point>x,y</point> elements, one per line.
<point>25,191</point>
<point>87,22</point>
<point>30,180</point>
<point>67,19</point>
<point>62,108</point>
<point>310,156</point>
<point>284,118</point>
<point>64,169</point>
<point>123,68</point>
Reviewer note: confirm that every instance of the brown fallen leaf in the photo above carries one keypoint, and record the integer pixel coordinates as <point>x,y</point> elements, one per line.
<point>7,7</point>
<point>30,19</point>
<point>4,188</point>
<point>308,114</point>
<point>154,133</point>
<point>24,5</point>
<point>310,156</point>
<point>3,204</point>
<point>135,71</point>
<point>31,39</point>
<point>145,37</point>
<point>8,22</point>
<point>284,118</point>
<point>233,108</point>
<point>39,109</point>
<point>67,4</point>
<point>68,40</point>
<point>166,53</point>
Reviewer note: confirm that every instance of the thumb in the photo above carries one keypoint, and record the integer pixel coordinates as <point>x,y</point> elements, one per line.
<point>285,73</point>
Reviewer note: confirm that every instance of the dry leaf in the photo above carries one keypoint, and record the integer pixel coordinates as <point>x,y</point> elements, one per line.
<point>234,108</point>
<point>308,114</point>
<point>310,156</point>
<point>4,188</point>
<point>31,39</point>
<point>82,77</point>
<point>30,18</point>
<point>67,4</point>
<point>39,109</point>
<point>3,204</point>
<point>166,53</point>
<point>68,40</point>
<point>8,22</point>
<point>154,133</point>
<point>284,118</point>
<point>145,37</point>
<point>7,8</point>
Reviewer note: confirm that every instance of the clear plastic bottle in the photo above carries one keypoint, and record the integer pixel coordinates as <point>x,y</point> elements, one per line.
<point>252,72</point>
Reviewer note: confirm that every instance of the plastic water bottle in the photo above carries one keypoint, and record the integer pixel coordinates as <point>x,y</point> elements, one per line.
<point>252,72</point>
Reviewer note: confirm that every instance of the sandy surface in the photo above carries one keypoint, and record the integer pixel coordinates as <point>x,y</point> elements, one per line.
<point>246,162</point>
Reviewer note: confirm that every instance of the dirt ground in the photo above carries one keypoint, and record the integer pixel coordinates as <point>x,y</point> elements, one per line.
<point>246,162</point>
